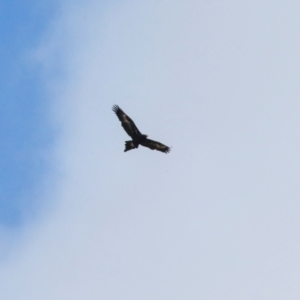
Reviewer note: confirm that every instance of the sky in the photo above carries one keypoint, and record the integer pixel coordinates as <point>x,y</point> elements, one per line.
<point>25,131</point>
<point>217,217</point>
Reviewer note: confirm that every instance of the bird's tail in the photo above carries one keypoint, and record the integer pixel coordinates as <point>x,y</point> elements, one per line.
<point>129,145</point>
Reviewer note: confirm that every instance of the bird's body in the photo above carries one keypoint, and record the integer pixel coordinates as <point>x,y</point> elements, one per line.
<point>137,137</point>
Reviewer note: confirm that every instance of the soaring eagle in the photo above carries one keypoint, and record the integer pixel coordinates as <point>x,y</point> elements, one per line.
<point>134,133</point>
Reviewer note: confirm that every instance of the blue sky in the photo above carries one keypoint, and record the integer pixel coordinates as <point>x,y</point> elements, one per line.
<point>25,129</point>
<point>218,217</point>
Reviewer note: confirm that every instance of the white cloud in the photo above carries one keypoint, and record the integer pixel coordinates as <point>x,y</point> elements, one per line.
<point>217,217</point>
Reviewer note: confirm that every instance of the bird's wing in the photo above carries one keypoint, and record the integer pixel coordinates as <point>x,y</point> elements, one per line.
<point>127,123</point>
<point>155,146</point>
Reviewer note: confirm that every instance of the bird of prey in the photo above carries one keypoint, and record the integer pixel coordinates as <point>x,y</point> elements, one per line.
<point>134,133</point>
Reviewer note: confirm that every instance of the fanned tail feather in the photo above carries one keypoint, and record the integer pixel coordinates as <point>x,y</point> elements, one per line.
<point>129,145</point>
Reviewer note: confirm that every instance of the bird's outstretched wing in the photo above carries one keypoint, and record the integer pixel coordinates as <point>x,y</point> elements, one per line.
<point>155,146</point>
<point>127,123</point>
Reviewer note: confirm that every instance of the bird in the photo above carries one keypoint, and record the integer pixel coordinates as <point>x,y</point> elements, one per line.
<point>137,137</point>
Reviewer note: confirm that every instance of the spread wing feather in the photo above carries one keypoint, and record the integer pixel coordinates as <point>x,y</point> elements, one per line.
<point>155,146</point>
<point>127,123</point>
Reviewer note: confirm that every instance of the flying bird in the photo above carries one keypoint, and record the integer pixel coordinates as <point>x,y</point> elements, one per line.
<point>135,134</point>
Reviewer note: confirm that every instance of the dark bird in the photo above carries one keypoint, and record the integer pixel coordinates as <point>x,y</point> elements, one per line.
<point>134,133</point>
